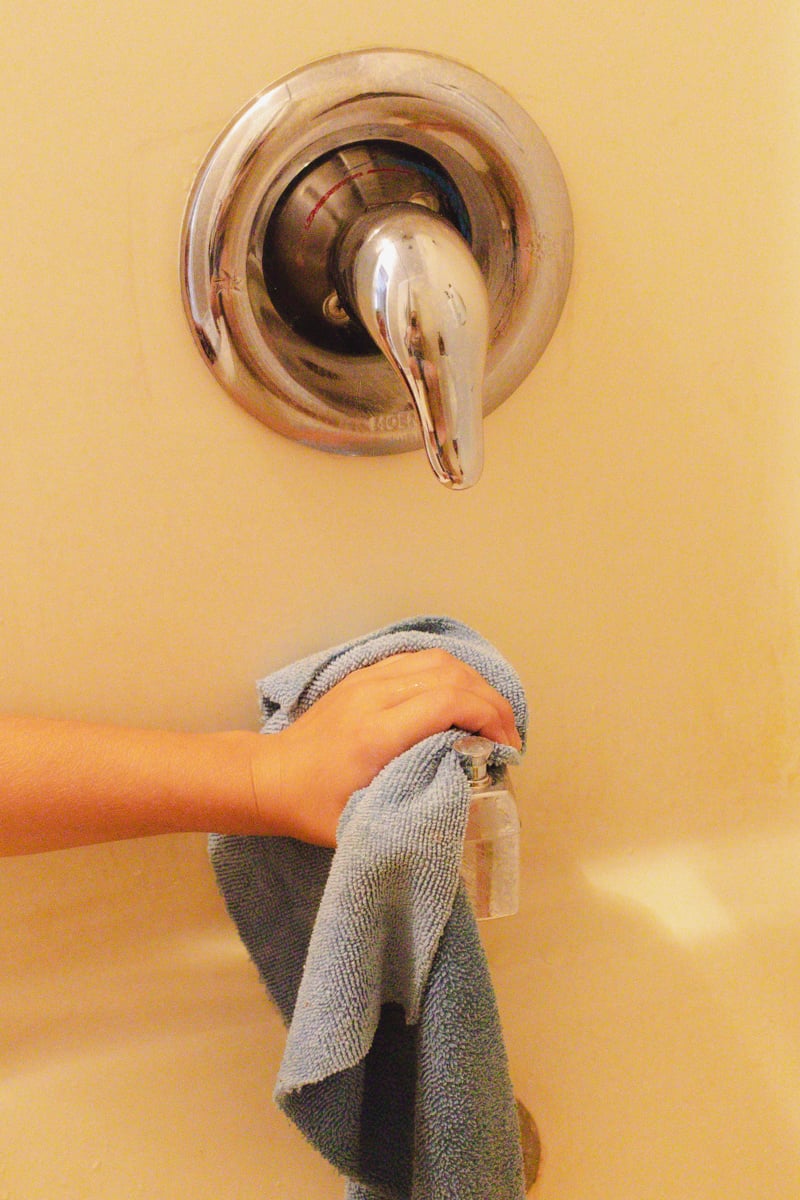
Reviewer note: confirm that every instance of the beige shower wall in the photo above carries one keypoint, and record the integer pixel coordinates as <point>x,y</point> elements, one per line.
<point>639,509</point>
<point>639,516</point>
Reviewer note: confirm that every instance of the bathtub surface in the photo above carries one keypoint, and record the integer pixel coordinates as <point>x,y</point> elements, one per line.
<point>658,1043</point>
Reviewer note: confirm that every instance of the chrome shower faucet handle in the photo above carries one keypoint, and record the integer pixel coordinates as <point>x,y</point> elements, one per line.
<point>375,254</point>
<point>415,285</point>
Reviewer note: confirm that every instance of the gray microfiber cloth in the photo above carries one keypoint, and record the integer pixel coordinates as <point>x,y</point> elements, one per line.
<point>394,1066</point>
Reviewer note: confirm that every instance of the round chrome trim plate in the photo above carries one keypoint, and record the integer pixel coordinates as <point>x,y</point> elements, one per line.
<point>507,179</point>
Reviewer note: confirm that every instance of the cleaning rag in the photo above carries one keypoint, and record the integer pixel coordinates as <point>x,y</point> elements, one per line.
<point>394,1066</point>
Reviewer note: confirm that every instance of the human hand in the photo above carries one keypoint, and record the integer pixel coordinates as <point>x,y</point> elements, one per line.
<point>304,776</point>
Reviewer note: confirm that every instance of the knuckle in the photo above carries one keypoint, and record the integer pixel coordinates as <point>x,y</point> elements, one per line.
<point>447,699</point>
<point>436,657</point>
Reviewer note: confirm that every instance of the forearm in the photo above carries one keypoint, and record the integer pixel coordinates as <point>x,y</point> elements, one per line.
<point>66,783</point>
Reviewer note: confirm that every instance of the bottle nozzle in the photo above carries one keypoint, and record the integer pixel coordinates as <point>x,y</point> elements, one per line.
<point>474,752</point>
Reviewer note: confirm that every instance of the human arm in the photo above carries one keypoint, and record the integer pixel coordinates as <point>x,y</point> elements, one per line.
<point>68,783</point>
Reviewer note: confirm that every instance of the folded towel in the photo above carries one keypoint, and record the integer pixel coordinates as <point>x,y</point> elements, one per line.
<point>394,1066</point>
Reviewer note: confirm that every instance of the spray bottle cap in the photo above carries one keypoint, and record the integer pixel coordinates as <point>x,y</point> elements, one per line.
<point>475,753</point>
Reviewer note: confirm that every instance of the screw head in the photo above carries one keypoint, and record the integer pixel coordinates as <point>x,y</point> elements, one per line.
<point>333,310</point>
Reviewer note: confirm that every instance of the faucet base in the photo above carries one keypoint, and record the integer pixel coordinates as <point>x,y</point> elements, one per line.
<point>302,239</point>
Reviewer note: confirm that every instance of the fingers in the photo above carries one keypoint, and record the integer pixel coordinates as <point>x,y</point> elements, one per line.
<point>442,691</point>
<point>437,709</point>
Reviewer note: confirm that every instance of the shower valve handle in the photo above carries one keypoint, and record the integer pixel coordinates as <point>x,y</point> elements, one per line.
<point>413,282</point>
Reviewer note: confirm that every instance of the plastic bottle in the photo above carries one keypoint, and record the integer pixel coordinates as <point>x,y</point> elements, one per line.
<point>490,867</point>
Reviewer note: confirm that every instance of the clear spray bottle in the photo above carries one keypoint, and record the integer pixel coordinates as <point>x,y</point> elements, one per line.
<point>490,866</point>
